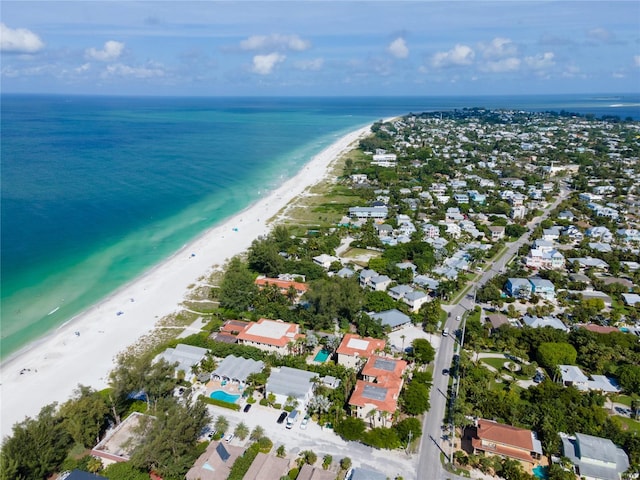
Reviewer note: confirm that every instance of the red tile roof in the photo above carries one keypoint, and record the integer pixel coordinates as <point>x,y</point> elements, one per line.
<point>493,437</point>
<point>385,398</point>
<point>358,347</point>
<point>386,371</point>
<point>592,327</point>
<point>271,332</point>
<point>283,285</point>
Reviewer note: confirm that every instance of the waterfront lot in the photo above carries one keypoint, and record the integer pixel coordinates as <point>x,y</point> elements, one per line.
<point>321,440</point>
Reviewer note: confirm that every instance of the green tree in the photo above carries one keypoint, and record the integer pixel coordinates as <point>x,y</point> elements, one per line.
<point>257,433</point>
<point>36,447</point>
<point>241,431</point>
<point>350,428</point>
<point>552,354</point>
<point>237,289</point>
<point>326,462</point>
<point>169,437</point>
<point>306,456</point>
<point>345,463</point>
<point>423,351</point>
<point>281,451</point>
<point>222,424</point>
<point>409,428</point>
<point>85,416</point>
<point>124,471</point>
<point>378,301</point>
<point>415,398</point>
<point>629,377</point>
<point>264,257</point>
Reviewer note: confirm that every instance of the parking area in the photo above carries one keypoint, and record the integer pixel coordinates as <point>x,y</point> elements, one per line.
<point>321,440</point>
<point>410,333</point>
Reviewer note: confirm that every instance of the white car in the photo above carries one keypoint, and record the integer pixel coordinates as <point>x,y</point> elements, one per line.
<point>303,424</point>
<point>229,437</point>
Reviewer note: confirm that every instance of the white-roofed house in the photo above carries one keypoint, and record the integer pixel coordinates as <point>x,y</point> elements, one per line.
<point>415,300</point>
<point>186,357</point>
<point>236,369</point>
<point>541,322</point>
<point>285,382</point>
<point>594,458</point>
<point>393,318</point>
<point>325,260</point>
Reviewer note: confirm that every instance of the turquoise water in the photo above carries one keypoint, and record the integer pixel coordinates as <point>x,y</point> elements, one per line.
<point>224,396</point>
<point>321,356</point>
<point>97,190</point>
<point>540,472</point>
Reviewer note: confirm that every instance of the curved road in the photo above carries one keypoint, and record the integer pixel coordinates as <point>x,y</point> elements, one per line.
<point>429,465</point>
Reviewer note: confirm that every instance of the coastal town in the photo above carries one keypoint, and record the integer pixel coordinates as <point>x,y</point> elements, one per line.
<point>460,300</point>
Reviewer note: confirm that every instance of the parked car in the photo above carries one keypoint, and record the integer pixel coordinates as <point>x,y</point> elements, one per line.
<point>229,437</point>
<point>247,407</point>
<point>282,417</point>
<point>303,424</point>
<point>445,371</point>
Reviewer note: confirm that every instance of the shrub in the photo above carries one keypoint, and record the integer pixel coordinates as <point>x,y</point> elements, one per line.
<point>221,403</point>
<point>264,402</point>
<point>265,444</point>
<point>277,406</point>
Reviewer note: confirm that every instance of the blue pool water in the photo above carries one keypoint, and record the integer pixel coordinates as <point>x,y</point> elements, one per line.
<point>224,396</point>
<point>540,472</point>
<point>321,356</point>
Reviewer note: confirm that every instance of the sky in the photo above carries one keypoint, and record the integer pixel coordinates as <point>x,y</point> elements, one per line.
<point>323,48</point>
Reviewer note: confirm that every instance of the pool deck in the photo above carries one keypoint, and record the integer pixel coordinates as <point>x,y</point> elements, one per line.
<point>230,388</point>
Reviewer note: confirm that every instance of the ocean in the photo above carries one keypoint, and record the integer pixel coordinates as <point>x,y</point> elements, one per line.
<point>97,190</point>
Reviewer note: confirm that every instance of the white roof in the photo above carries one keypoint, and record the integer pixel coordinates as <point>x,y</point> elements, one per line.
<point>268,329</point>
<point>358,344</point>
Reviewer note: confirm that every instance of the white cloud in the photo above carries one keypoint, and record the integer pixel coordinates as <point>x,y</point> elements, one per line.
<point>499,47</point>
<point>83,68</point>
<point>111,51</point>
<point>540,61</point>
<point>264,64</point>
<point>314,65</point>
<point>19,40</point>
<point>458,55</point>
<point>636,60</point>
<point>275,41</point>
<point>505,65</point>
<point>121,70</point>
<point>398,48</point>
<point>600,34</point>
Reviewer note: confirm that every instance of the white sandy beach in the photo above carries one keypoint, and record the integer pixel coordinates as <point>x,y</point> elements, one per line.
<point>50,369</point>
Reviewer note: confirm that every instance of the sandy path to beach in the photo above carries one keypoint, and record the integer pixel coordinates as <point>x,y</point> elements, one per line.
<point>83,350</point>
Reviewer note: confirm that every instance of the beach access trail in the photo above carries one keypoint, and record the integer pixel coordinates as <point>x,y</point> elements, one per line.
<point>83,350</point>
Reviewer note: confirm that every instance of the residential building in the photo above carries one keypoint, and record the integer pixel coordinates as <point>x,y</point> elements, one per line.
<point>379,213</point>
<point>543,259</point>
<point>497,232</point>
<point>415,300</point>
<point>236,369</point>
<point>325,260</point>
<point>285,287</point>
<point>271,335</point>
<point>285,382</point>
<point>518,287</point>
<point>354,348</point>
<point>399,291</point>
<point>307,472</point>
<point>393,318</point>
<point>215,463</point>
<point>543,288</point>
<point>504,440</point>
<point>541,322</point>
<point>360,473</point>
<point>267,467</point>
<point>430,230</point>
<point>518,212</point>
<point>594,458</point>
<point>118,445</point>
<point>379,283</point>
<point>572,376</point>
<point>184,356</point>
<point>589,262</point>
<point>365,277</point>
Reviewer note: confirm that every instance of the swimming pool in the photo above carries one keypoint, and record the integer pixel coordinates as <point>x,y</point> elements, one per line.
<point>224,396</point>
<point>540,472</point>
<point>321,356</point>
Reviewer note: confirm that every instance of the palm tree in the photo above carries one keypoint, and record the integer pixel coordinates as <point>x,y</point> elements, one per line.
<point>241,431</point>
<point>257,433</point>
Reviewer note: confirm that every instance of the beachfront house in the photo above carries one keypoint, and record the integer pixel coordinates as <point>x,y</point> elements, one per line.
<point>185,357</point>
<point>287,382</point>
<point>236,369</point>
<point>118,445</point>
<point>271,335</point>
<point>285,287</point>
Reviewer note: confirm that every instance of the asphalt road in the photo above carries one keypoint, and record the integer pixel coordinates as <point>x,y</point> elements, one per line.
<point>434,426</point>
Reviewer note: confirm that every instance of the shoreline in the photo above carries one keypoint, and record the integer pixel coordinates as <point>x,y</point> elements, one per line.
<point>82,350</point>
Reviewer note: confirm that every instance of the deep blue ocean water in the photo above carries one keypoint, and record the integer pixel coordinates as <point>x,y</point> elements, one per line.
<point>96,190</point>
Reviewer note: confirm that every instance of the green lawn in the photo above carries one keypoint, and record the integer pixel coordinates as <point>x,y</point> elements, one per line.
<point>628,424</point>
<point>623,399</point>
<point>497,363</point>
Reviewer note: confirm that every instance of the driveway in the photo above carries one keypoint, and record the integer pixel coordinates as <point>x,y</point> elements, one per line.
<point>321,440</point>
